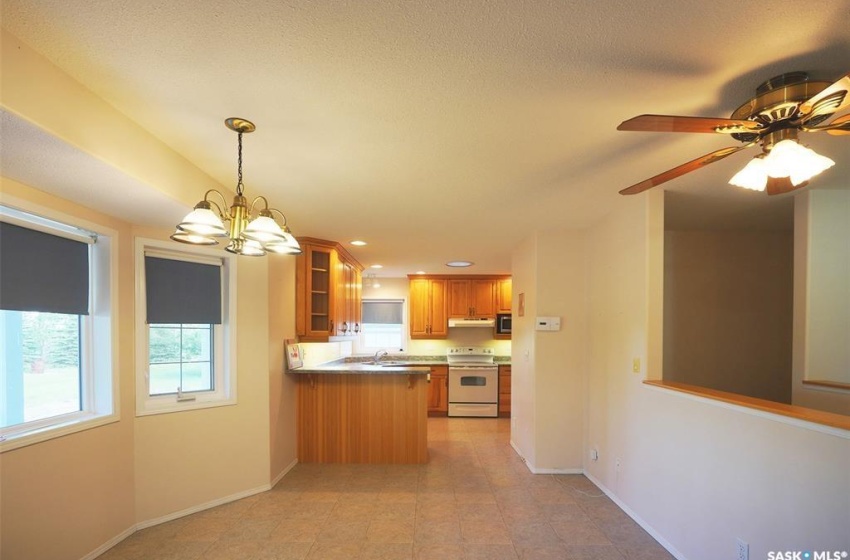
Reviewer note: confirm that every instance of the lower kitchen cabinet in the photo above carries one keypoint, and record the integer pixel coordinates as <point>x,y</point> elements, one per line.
<point>438,391</point>
<point>504,390</point>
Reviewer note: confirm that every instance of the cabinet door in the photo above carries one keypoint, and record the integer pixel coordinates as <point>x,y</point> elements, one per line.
<point>504,390</point>
<point>504,296</point>
<point>458,301</point>
<point>428,308</point>
<point>319,292</point>
<point>358,300</point>
<point>439,324</point>
<point>438,390</point>
<point>420,306</point>
<point>483,298</point>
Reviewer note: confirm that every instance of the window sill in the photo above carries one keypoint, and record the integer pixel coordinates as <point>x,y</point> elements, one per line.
<point>163,407</point>
<point>828,384</point>
<point>23,439</point>
<point>797,412</point>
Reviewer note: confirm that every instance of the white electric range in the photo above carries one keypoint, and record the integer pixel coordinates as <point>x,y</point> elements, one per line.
<point>473,382</point>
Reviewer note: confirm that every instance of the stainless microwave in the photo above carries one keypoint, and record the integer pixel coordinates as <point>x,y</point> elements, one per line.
<point>503,323</point>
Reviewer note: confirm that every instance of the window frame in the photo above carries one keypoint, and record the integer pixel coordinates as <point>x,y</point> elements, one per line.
<point>224,335</point>
<point>99,359</point>
<point>405,342</point>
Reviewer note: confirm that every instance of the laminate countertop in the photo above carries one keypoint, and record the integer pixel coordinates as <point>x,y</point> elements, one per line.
<point>391,365</point>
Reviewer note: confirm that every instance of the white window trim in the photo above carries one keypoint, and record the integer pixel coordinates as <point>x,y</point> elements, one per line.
<point>100,380</point>
<point>224,393</point>
<point>405,341</point>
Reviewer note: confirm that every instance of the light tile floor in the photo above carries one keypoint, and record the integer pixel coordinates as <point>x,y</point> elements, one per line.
<point>475,499</point>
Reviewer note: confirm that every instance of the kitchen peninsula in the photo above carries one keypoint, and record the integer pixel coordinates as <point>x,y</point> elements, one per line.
<point>357,412</point>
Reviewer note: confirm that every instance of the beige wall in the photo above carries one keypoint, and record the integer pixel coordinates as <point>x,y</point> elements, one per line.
<point>65,497</point>
<point>188,459</point>
<point>523,352</point>
<point>728,311</point>
<point>699,474</point>
<point>822,298</point>
<point>547,401</point>
<point>281,311</point>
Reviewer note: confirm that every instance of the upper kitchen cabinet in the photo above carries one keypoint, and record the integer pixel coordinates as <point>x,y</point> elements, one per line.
<point>428,308</point>
<point>472,298</point>
<point>503,296</point>
<point>327,291</point>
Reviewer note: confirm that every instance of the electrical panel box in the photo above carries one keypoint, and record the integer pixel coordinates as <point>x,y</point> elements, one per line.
<point>548,324</point>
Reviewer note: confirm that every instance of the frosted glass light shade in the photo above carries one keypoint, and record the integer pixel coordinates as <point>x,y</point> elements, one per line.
<point>753,176</point>
<point>790,159</point>
<point>203,221</point>
<point>287,246</point>
<point>246,247</point>
<point>193,238</point>
<point>263,229</point>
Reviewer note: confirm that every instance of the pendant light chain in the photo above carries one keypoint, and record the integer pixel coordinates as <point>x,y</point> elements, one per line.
<point>239,186</point>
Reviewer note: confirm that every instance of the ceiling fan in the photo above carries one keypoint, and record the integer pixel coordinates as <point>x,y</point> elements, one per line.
<point>783,106</point>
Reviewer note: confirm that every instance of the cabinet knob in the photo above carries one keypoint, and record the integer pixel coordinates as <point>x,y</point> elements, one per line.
<point>344,327</point>
<point>357,327</point>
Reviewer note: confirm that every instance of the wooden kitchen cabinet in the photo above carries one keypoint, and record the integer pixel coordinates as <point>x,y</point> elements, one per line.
<point>438,391</point>
<point>349,286</point>
<point>503,295</point>
<point>504,390</point>
<point>328,291</point>
<point>428,308</point>
<point>472,298</point>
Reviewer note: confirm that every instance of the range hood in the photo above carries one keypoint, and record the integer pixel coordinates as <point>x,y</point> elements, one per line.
<point>472,323</point>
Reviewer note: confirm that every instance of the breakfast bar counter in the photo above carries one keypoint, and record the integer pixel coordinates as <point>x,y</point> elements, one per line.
<point>362,413</point>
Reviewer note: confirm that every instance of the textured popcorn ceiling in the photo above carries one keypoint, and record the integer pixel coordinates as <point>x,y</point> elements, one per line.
<point>438,130</point>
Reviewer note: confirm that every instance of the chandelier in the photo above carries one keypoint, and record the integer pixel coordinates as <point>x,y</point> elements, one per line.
<point>247,235</point>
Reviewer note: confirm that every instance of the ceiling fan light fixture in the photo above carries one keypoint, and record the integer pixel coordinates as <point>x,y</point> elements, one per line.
<point>753,176</point>
<point>788,158</point>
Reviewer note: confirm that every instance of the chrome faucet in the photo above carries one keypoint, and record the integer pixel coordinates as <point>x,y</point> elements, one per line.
<point>380,354</point>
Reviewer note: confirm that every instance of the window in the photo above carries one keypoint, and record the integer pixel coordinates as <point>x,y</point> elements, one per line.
<point>56,358</point>
<point>383,325</point>
<point>184,333</point>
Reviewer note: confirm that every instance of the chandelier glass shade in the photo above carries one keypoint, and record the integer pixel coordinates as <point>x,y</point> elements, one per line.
<point>247,234</point>
<point>787,158</point>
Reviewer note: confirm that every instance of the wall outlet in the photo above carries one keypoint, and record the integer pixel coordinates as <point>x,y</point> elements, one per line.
<point>743,550</point>
<point>594,454</point>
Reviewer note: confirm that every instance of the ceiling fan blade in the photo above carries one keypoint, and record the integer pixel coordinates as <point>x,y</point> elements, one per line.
<point>670,123</point>
<point>782,185</point>
<point>830,100</point>
<point>692,165</point>
<point>839,126</point>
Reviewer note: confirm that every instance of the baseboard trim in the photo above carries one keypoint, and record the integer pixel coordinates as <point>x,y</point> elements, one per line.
<point>202,507</point>
<point>283,473</point>
<point>109,544</point>
<point>177,515</point>
<point>535,470</point>
<point>636,518</point>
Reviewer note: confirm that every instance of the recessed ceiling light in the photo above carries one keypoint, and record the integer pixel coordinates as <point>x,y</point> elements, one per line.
<point>358,242</point>
<point>459,264</point>
<point>377,266</point>
<point>420,272</point>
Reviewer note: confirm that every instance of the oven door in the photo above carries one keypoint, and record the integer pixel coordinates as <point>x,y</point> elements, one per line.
<point>474,391</point>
